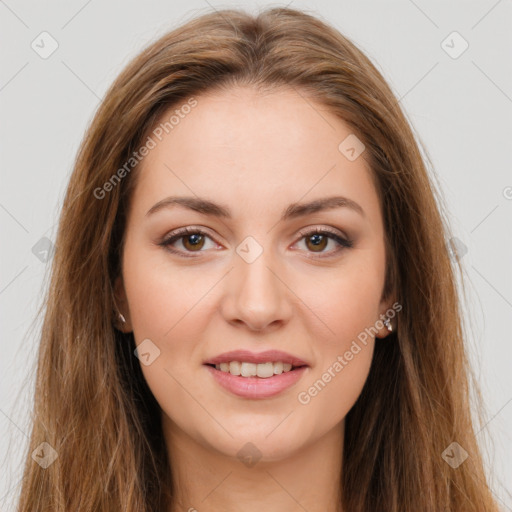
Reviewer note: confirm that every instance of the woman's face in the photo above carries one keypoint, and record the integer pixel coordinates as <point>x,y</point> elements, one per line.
<point>251,275</point>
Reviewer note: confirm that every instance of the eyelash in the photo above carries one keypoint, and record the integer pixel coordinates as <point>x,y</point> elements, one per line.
<point>181,233</point>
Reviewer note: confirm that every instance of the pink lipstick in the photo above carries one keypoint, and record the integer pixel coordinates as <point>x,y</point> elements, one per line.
<point>256,375</point>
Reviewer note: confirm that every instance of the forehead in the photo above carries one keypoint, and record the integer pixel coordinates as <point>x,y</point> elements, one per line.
<point>244,125</point>
<point>245,148</point>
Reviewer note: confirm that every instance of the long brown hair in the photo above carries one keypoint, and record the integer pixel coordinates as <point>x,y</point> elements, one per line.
<point>92,404</point>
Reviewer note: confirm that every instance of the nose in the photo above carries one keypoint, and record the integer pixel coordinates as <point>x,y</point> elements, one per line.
<point>256,294</point>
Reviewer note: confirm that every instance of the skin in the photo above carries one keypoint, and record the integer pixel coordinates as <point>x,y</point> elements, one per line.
<point>255,153</point>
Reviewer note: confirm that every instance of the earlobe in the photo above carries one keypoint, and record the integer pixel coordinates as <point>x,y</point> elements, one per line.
<point>387,322</point>
<point>385,326</point>
<point>122,320</point>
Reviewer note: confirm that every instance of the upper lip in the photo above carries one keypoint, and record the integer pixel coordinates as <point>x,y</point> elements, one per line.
<point>247,356</point>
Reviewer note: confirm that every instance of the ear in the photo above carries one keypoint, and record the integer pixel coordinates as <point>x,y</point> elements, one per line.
<point>121,301</point>
<point>388,309</point>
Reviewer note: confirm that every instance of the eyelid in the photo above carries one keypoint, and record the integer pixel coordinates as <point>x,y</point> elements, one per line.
<point>311,230</point>
<point>179,233</point>
<point>343,241</point>
<point>338,236</point>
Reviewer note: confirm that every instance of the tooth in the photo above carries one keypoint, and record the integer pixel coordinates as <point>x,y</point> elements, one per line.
<point>278,368</point>
<point>262,370</point>
<point>234,367</point>
<point>265,370</point>
<point>248,370</point>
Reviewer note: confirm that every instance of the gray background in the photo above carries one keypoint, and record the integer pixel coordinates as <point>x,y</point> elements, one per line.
<point>460,109</point>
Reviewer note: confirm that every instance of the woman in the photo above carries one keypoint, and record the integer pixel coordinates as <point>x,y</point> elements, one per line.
<point>252,302</point>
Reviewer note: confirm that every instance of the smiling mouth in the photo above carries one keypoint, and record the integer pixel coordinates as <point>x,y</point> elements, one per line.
<point>260,370</point>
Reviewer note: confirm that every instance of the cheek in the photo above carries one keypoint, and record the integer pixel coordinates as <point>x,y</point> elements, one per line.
<point>167,307</point>
<point>173,308</point>
<point>170,308</point>
<point>346,300</point>
<point>162,299</point>
<point>348,308</point>
<point>336,385</point>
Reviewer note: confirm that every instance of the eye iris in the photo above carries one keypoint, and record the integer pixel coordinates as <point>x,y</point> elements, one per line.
<point>196,237</point>
<point>319,241</point>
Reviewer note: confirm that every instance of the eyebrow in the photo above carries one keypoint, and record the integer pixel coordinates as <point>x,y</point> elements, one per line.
<point>294,210</point>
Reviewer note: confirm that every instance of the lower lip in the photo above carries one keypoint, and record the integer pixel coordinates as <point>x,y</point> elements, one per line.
<point>257,387</point>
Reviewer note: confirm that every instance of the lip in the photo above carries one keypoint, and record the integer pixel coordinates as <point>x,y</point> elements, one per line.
<point>256,387</point>
<point>268,356</point>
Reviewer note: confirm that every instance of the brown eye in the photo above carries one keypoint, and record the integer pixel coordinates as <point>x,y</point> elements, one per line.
<point>193,242</point>
<point>318,242</point>
<point>318,239</point>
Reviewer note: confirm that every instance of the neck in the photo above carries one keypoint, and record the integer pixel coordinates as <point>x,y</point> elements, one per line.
<point>208,480</point>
